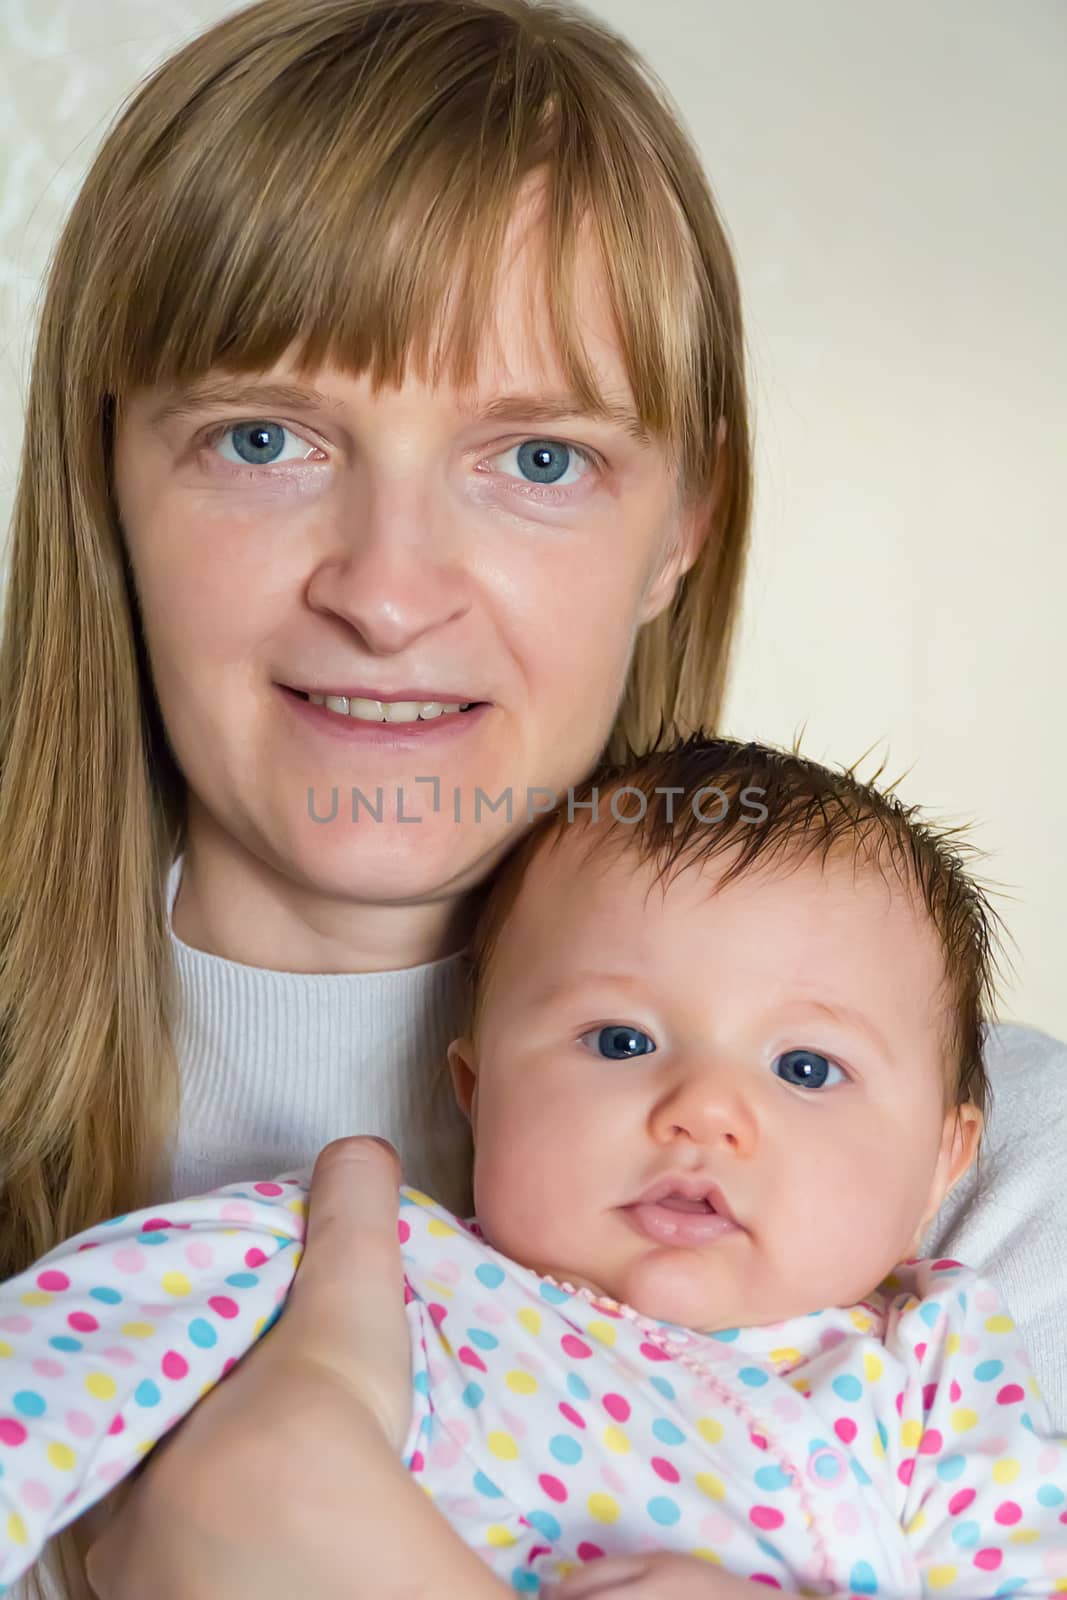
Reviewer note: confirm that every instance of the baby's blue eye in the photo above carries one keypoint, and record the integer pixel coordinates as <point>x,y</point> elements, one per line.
<point>806,1069</point>
<point>619,1043</point>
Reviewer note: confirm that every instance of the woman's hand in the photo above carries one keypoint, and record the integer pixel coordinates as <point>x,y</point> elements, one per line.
<point>659,1576</point>
<point>251,1497</point>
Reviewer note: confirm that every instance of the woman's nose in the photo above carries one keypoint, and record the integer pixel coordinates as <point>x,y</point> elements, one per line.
<point>706,1108</point>
<point>393,576</point>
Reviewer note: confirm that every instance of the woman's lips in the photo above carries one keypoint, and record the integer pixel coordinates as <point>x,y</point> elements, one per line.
<point>675,1220</point>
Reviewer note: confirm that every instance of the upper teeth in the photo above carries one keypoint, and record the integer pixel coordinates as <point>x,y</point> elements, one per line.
<point>384,710</point>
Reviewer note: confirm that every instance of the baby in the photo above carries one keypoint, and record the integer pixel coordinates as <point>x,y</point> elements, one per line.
<point>724,1064</point>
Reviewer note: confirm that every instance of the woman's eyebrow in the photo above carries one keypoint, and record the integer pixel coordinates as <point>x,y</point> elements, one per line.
<point>555,406</point>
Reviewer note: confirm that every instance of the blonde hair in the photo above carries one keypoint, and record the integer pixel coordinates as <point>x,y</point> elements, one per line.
<point>321,174</point>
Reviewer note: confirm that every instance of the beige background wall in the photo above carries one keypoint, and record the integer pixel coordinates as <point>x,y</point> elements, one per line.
<point>893,176</point>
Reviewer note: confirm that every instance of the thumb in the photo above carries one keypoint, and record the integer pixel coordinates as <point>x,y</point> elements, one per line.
<point>346,1306</point>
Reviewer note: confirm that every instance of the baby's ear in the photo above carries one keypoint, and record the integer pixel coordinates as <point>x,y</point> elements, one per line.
<point>463,1065</point>
<point>959,1144</point>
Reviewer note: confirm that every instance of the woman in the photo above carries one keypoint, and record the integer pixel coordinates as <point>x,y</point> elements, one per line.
<point>258,945</point>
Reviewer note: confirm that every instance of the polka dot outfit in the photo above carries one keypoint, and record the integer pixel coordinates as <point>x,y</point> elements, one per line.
<point>895,1448</point>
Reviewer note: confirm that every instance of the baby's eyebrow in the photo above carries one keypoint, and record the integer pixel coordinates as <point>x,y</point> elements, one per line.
<point>838,1012</point>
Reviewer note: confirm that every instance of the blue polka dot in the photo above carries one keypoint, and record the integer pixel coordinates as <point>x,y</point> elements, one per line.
<point>153,1236</point>
<point>242,1280</point>
<point>883,1434</point>
<point>726,1335</point>
<point>666,1432</point>
<point>769,1549</point>
<point>525,1581</point>
<point>966,1534</point>
<point>929,1311</point>
<point>421,1382</point>
<point>847,1387</point>
<point>772,1478</point>
<point>554,1296</point>
<point>986,1371</point>
<point>755,1377</point>
<point>28,1403</point>
<point>576,1387</point>
<point>664,1511</point>
<point>113,1222</point>
<point>146,1393</point>
<point>1027,1421</point>
<point>1049,1495</point>
<point>109,1297</point>
<point>481,1339</point>
<point>827,1466</point>
<point>663,1387</point>
<point>565,1449</point>
<point>545,1523</point>
<point>63,1341</point>
<point>473,1395</point>
<point>202,1333</point>
<point>485,1486</point>
<point>1009,1586</point>
<point>489,1275</point>
<point>949,1468</point>
<point>861,1477</point>
<point>861,1579</point>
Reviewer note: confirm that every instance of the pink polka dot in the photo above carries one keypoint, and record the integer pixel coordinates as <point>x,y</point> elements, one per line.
<point>906,1470</point>
<point>447,1272</point>
<point>989,1560</point>
<point>53,1282</point>
<point>899,1403</point>
<point>445,1453</point>
<point>82,1322</point>
<point>174,1365</point>
<point>36,1495</point>
<point>1010,1395</point>
<point>417,1462</point>
<point>845,1429</point>
<point>16,1324</point>
<point>614,1479</point>
<point>717,1528</point>
<point>930,1443</point>
<point>929,1396</point>
<point>269,1189</point>
<point>403,1231</point>
<point>129,1258</point>
<point>766,1517</point>
<point>470,1358</point>
<point>946,1264</point>
<point>652,1352</point>
<point>572,1416</point>
<point>830,1338</point>
<point>492,1314</point>
<point>236,1211</point>
<point>920,1351</point>
<point>117,1425</point>
<point>576,1348</point>
<point>120,1356</point>
<point>11,1432</point>
<point>155,1225</point>
<point>664,1470</point>
<point>80,1424</point>
<point>256,1257</point>
<point>552,1487</point>
<point>955,1392</point>
<point>199,1254</point>
<point>764,1577</point>
<point>589,1552</point>
<point>758,1439</point>
<point>223,1306</point>
<point>960,1501</point>
<point>1008,1513</point>
<point>616,1407</point>
<point>111,1471</point>
<point>437,1314</point>
<point>45,1367</point>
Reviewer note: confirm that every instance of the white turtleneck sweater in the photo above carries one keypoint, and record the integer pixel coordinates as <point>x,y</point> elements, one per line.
<point>274,1065</point>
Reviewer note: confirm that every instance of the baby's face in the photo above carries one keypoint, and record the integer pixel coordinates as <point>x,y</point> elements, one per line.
<point>770,1049</point>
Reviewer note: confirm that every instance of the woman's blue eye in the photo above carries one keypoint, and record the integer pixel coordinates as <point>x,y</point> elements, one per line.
<point>545,461</point>
<point>806,1069</point>
<point>259,444</point>
<point>619,1043</point>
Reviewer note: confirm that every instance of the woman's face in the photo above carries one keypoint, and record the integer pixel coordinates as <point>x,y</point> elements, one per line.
<point>398,547</point>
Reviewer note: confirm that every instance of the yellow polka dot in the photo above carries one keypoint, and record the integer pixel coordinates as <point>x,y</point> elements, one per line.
<point>941,1577</point>
<point>503,1446</point>
<point>872,1367</point>
<point>100,1385</point>
<point>298,1256</point>
<point>604,1332</point>
<point>61,1456</point>
<point>36,1297</point>
<point>1034,1387</point>
<point>138,1330</point>
<point>616,1440</point>
<point>260,1324</point>
<point>1006,1470</point>
<point>952,1344</point>
<point>297,1207</point>
<point>530,1319</point>
<point>206,1388</point>
<point>910,1434</point>
<point>1060,1586</point>
<point>711,1485</point>
<point>785,1354</point>
<point>441,1289</point>
<point>419,1198</point>
<point>963,1418</point>
<point>706,1555</point>
<point>1023,1536</point>
<point>5,1348</point>
<point>917,1522</point>
<point>145,1446</point>
<point>499,1536</point>
<point>177,1283</point>
<point>443,1342</point>
<point>602,1508</point>
<point>999,1324</point>
<point>877,1447</point>
<point>16,1529</point>
<point>439,1229</point>
<point>800,1385</point>
<point>709,1429</point>
<point>861,1321</point>
<point>521,1382</point>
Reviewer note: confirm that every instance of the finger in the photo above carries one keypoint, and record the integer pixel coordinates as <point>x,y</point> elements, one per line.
<point>601,1577</point>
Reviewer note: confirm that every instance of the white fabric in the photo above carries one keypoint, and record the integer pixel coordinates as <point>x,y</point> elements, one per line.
<point>274,1065</point>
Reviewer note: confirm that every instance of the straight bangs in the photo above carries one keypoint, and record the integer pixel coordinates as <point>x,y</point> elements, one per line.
<point>278,209</point>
